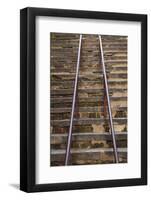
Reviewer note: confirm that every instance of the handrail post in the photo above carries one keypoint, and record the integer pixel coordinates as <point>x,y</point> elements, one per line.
<point>73,104</point>
<point>108,102</point>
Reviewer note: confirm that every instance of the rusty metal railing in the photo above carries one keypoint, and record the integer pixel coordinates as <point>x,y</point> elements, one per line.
<point>108,102</point>
<point>73,104</point>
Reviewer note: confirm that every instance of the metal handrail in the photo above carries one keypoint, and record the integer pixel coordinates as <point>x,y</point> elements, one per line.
<point>108,102</point>
<point>73,104</point>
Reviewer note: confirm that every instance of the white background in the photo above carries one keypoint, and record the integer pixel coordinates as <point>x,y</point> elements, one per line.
<point>9,100</point>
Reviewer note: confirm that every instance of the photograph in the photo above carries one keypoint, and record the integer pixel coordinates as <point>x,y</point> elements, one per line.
<point>83,99</point>
<point>88,99</point>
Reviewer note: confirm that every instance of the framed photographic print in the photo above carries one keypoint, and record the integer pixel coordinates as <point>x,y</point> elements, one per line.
<point>83,99</point>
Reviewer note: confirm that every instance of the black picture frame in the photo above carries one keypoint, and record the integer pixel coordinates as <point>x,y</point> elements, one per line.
<point>28,98</point>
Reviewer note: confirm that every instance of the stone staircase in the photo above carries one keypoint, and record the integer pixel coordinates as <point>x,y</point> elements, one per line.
<point>91,138</point>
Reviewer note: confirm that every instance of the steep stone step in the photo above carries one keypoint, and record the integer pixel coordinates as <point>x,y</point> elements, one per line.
<point>86,109</point>
<point>95,67</point>
<point>86,121</point>
<point>116,51</point>
<point>96,99</point>
<point>67,70</point>
<point>92,75</point>
<point>85,74</point>
<point>88,69</point>
<point>122,102</point>
<point>88,156</point>
<point>86,45</point>
<point>94,51</point>
<point>98,103</point>
<point>95,150</point>
<point>114,55</point>
<point>116,61</point>
<point>84,95</point>
<point>88,91</point>
<point>88,140</point>
<point>91,144</point>
<point>94,128</point>
<point>82,84</point>
<point>107,61</point>
<point>91,49</point>
<point>58,138</point>
<point>95,42</point>
<point>114,64</point>
<point>114,37</point>
<point>116,113</point>
<point>93,54</point>
<point>114,44</point>
<point>87,102</point>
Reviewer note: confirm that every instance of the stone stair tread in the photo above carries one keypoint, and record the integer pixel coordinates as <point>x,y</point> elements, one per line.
<point>83,99</point>
<point>93,56</point>
<point>115,50</point>
<point>97,87</point>
<point>109,43</point>
<point>90,47</point>
<point>87,134</point>
<point>85,121</point>
<point>91,150</point>
<point>111,80</point>
<point>86,90</point>
<point>57,138</point>
<point>107,61</point>
<point>96,68</point>
<point>116,61</point>
<point>84,109</point>
<point>90,77</point>
<point>73,74</point>
<point>95,74</point>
